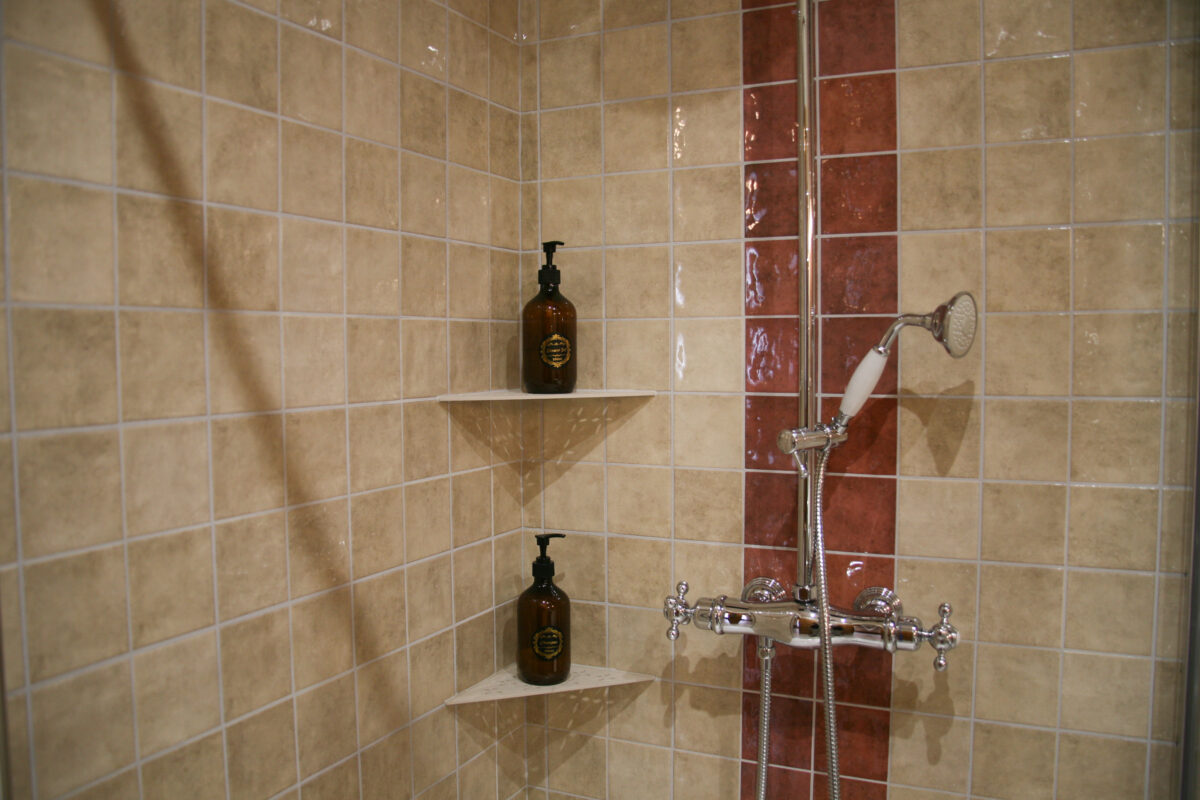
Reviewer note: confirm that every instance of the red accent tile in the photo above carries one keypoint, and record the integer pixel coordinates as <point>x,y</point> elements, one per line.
<point>765,418</point>
<point>860,514</point>
<point>791,731</point>
<point>771,502</point>
<point>858,194</point>
<point>851,789</point>
<point>769,118</point>
<point>863,739</point>
<point>770,563</point>
<point>772,200</point>
<point>858,275</point>
<point>858,115</point>
<point>773,278</point>
<point>850,574</point>
<point>782,784</point>
<point>772,350</point>
<point>862,676</point>
<point>856,36</point>
<point>791,675</point>
<point>769,45</point>
<point>844,342</point>
<point>871,448</point>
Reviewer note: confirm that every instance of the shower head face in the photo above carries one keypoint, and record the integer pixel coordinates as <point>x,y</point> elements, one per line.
<point>954,323</point>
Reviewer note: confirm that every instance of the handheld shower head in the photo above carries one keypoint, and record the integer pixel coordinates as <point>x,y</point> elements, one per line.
<point>953,323</point>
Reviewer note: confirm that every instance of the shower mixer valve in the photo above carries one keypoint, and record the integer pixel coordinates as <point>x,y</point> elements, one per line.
<point>877,621</point>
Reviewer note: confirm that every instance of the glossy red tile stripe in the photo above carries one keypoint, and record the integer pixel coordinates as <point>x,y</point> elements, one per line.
<point>765,418</point>
<point>871,448</point>
<point>772,350</point>
<point>863,740</point>
<point>858,114</point>
<point>770,563</point>
<point>772,277</point>
<point>771,502</point>
<point>792,673</point>
<point>791,731</point>
<point>772,199</point>
<point>863,676</point>
<point>769,45</point>
<point>851,789</point>
<point>844,342</point>
<point>782,784</point>
<point>860,514</point>
<point>850,574</point>
<point>858,194</point>
<point>858,275</point>
<point>770,122</point>
<point>856,36</point>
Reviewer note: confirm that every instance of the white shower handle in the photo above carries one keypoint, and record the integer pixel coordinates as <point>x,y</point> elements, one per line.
<point>863,382</point>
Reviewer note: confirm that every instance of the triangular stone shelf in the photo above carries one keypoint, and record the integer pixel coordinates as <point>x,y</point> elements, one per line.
<point>505,685</point>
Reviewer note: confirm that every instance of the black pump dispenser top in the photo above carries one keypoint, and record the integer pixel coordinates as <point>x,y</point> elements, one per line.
<point>549,275</point>
<point>543,566</point>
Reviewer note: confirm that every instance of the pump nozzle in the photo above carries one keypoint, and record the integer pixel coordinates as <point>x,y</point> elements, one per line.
<point>548,248</point>
<point>543,566</point>
<point>549,275</point>
<point>543,540</point>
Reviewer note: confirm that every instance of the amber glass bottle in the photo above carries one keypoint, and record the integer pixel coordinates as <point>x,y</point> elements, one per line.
<point>544,624</point>
<point>548,334</point>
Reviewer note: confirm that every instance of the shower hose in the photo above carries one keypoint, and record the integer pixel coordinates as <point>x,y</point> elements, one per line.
<point>766,654</point>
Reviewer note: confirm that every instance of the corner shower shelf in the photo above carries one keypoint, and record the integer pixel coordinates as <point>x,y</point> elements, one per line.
<point>509,394</point>
<point>505,685</point>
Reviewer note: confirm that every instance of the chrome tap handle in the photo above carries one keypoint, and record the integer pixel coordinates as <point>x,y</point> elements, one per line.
<point>943,637</point>
<point>677,611</point>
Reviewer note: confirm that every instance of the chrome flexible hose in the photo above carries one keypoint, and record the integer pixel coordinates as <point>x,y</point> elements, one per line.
<point>766,655</point>
<point>822,586</point>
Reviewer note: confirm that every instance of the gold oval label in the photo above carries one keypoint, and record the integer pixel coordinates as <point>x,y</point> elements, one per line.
<point>547,643</point>
<point>556,350</point>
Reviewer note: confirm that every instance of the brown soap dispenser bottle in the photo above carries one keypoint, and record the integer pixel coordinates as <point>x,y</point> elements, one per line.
<point>548,334</point>
<point>544,624</point>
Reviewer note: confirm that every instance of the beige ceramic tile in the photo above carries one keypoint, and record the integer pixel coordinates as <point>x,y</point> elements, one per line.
<point>467,126</point>
<point>251,559</point>
<point>924,368</point>
<point>75,611</point>
<point>166,476</point>
<point>67,27</point>
<point>1029,270</point>
<point>505,143</point>
<point>175,129</point>
<point>160,252</point>
<point>52,100</point>
<point>705,777</point>
<point>1024,27</point>
<point>1037,623</point>
<point>1023,522</point>
<point>311,165</point>
<point>382,696</point>
<point>422,115</point>
<point>938,32</point>
<point>377,520</point>
<point>1111,441</point>
<point>705,53</point>
<point>324,16</point>
<point>1120,91</point>
<point>422,196</point>
<point>429,597</point>
<point>247,464</point>
<point>635,62</point>
<point>64,367</point>
<point>1027,99</point>
<point>236,341</point>
<point>240,55</point>
<point>1119,179</point>
<point>1012,427</point>
<point>374,25</point>
<point>162,364</point>
<point>424,348</point>
<point>372,278</point>
<point>386,765</point>
<point>504,72</point>
<point>261,753</point>
<point>433,748</point>
<point>692,8</point>
<point>930,263</point>
<point>431,672</point>
<point>471,509</point>
<point>638,354</point>
<point>1118,354</point>
<point>637,208</point>
<point>709,356</point>
<point>310,85</point>
<point>177,691</point>
<point>638,772</point>
<point>473,581</point>
<point>1182,72</point>
<point>1182,200</point>
<point>929,751</point>
<point>706,128</point>
<point>321,638</point>
<point>639,500</point>
<point>1090,615</point>
<point>570,142</point>
<point>372,98</point>
<point>708,431</point>
<point>705,720</point>
<point>571,209</point>
<point>708,280</point>
<point>170,585</point>
<point>574,497</point>
<point>61,243</point>
<point>318,550</point>
<point>85,467</point>
<point>372,185</point>
<point>423,37</point>
<point>638,430</point>
<point>316,455</point>
<point>570,71</point>
<point>707,204</point>
<point>937,518</point>
<point>637,282</point>
<point>312,266</point>
<point>941,189</point>
<point>243,260</point>
<point>1029,184</point>
<point>1109,22</point>
<point>468,61</point>
<point>998,750</point>
<point>939,437</point>
<point>708,505</point>
<point>1017,685</point>
<point>313,361</point>
<point>1091,766</point>
<point>83,728</point>
<point>423,291</point>
<point>1028,355</point>
<point>622,13</point>
<point>569,18</point>
<point>939,107</point>
<point>576,763</point>
<point>1106,694</point>
<point>1118,266</point>
<point>373,359</point>
<point>424,434</point>
<point>636,134</point>
<point>197,767</point>
<point>506,213</point>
